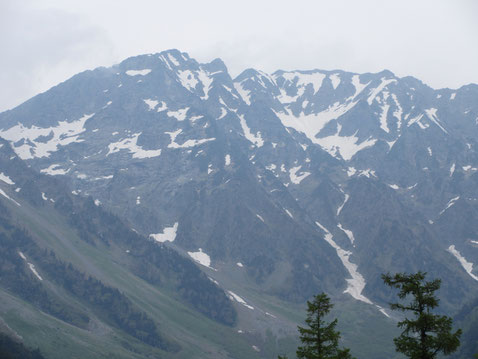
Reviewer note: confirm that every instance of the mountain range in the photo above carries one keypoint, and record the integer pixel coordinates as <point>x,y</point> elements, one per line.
<point>219,205</point>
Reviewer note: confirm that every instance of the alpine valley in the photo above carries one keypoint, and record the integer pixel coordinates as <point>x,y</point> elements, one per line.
<point>161,208</point>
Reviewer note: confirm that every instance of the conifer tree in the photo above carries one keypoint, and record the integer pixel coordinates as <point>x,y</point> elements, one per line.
<point>319,339</point>
<point>427,334</point>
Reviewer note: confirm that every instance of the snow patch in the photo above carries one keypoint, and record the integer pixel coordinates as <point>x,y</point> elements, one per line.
<point>311,124</point>
<point>6,196</point>
<point>151,103</point>
<point>468,266</point>
<point>450,203</point>
<point>417,119</point>
<point>351,171</point>
<point>432,115</point>
<point>345,146</point>
<point>294,177</point>
<point>382,310</point>
<point>206,82</point>
<point>398,112</point>
<point>180,114</point>
<point>255,139</point>
<point>201,258</point>
<point>101,178</point>
<point>223,113</point>
<point>270,315</point>
<point>245,94</point>
<point>130,144</point>
<point>174,134</point>
<point>33,146</point>
<point>143,72</point>
<point>452,169</point>
<point>303,80</point>
<point>383,118</point>
<point>188,143</point>
<point>6,179</point>
<point>343,204</point>
<point>367,173</point>
<point>235,297</point>
<point>30,265</point>
<point>187,79</point>
<point>335,79</point>
<point>162,106</point>
<point>214,281</point>
<point>53,170</point>
<point>173,60</point>
<point>358,86</point>
<point>195,118</point>
<point>168,234</point>
<point>34,271</point>
<point>356,284</point>
<point>378,89</point>
<point>348,232</point>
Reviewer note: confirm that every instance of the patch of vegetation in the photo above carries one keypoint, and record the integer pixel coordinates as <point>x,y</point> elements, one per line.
<point>152,262</point>
<point>108,303</point>
<point>10,349</point>
<point>16,276</point>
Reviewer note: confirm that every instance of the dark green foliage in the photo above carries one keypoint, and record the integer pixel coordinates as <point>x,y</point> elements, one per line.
<point>319,339</point>
<point>108,303</point>
<point>16,277</point>
<point>10,349</point>
<point>427,334</point>
<point>154,263</point>
<point>467,319</point>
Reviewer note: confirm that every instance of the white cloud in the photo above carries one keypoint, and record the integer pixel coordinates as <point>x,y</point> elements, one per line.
<point>46,42</point>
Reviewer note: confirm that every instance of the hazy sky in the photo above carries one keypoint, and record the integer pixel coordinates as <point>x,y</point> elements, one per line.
<point>44,42</point>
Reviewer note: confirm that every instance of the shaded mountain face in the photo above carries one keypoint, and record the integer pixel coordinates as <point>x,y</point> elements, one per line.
<point>304,181</point>
<point>60,257</point>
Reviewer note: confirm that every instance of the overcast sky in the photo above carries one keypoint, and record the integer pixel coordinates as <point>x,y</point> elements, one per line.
<point>44,42</point>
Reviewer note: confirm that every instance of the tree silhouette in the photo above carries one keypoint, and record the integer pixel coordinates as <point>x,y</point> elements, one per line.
<point>427,334</point>
<point>319,339</point>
